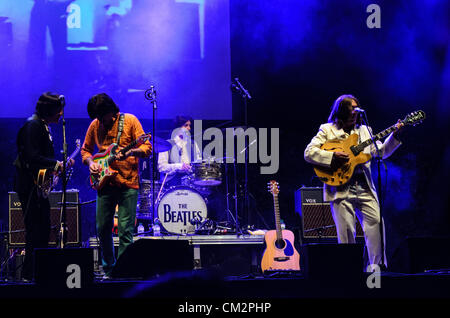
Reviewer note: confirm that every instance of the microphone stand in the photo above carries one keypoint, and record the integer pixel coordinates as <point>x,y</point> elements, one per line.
<point>379,183</point>
<point>237,86</point>
<point>150,95</point>
<point>63,229</point>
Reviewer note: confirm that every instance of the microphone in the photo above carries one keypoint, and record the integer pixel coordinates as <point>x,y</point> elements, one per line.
<point>62,100</point>
<point>234,87</point>
<point>242,89</point>
<point>150,94</point>
<point>359,110</point>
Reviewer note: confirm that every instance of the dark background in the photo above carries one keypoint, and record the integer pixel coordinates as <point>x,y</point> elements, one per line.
<point>295,58</point>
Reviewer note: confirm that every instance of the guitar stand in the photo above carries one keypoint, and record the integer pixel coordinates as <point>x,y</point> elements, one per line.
<point>282,274</point>
<point>7,257</point>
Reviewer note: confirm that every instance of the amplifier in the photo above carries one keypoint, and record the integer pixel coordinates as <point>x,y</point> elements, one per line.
<point>315,213</point>
<point>17,227</point>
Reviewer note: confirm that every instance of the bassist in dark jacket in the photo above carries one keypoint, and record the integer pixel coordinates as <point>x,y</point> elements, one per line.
<point>35,151</point>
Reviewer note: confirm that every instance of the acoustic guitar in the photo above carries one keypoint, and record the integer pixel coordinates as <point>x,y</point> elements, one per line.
<point>340,175</point>
<point>106,158</point>
<point>280,253</point>
<point>47,179</point>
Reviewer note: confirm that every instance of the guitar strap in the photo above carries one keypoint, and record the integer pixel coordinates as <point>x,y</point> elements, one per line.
<point>120,129</point>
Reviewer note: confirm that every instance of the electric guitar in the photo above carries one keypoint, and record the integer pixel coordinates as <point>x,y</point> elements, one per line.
<point>106,158</point>
<point>339,175</point>
<point>280,253</point>
<point>47,179</point>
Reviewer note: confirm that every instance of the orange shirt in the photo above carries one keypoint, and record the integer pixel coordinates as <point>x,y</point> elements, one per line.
<point>127,169</point>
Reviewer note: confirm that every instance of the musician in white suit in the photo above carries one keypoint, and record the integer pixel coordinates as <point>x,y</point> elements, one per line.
<point>358,197</point>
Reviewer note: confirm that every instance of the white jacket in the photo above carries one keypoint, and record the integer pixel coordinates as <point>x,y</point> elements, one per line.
<point>313,154</point>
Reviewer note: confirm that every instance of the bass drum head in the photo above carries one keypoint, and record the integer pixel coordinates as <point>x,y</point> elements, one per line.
<point>178,207</point>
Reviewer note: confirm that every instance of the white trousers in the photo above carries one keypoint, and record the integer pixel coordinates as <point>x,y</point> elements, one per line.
<point>360,204</point>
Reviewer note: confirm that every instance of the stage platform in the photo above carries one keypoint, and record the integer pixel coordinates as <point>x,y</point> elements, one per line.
<point>200,285</point>
<point>251,244</point>
<point>209,280</point>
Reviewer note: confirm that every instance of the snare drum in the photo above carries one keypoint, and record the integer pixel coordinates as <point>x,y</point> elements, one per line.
<point>207,173</point>
<point>181,209</point>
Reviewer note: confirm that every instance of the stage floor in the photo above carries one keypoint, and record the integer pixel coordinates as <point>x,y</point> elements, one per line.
<point>213,284</point>
<point>210,284</point>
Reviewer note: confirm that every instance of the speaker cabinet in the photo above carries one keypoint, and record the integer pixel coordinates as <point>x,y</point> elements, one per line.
<point>17,227</point>
<point>64,268</point>
<point>315,213</point>
<point>332,262</point>
<point>148,257</point>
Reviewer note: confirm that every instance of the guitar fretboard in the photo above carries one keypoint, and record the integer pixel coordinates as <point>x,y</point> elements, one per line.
<point>357,149</point>
<point>277,217</point>
<point>125,149</point>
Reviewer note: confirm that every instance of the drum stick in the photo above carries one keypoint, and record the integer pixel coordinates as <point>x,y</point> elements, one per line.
<point>162,186</point>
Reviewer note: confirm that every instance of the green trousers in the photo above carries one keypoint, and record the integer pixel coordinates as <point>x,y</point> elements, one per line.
<point>107,200</point>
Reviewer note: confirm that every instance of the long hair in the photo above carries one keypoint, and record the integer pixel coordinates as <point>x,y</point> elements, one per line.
<point>340,110</point>
<point>100,105</point>
<point>48,104</point>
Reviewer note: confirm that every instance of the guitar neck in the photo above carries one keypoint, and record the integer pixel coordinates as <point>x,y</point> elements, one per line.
<point>74,154</point>
<point>130,146</point>
<point>368,142</point>
<point>124,150</point>
<point>277,217</point>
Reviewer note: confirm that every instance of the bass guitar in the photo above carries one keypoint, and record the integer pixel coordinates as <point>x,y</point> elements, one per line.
<point>47,179</point>
<point>340,175</point>
<point>106,158</point>
<point>280,253</point>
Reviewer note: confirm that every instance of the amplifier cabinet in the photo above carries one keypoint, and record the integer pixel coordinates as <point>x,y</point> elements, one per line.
<point>16,236</point>
<point>315,214</point>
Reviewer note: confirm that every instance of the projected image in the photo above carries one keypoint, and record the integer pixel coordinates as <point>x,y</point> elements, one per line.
<point>120,47</point>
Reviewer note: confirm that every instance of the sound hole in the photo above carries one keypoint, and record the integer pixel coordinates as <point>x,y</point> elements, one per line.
<point>280,244</point>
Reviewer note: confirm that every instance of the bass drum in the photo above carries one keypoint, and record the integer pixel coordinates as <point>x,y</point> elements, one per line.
<point>181,209</point>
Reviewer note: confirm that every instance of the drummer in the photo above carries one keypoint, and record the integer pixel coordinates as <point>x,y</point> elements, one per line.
<point>175,164</point>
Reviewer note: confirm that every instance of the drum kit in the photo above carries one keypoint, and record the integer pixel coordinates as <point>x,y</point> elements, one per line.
<point>182,208</point>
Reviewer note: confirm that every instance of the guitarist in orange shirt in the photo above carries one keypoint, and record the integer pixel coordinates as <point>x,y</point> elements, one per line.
<point>121,188</point>
<point>356,198</point>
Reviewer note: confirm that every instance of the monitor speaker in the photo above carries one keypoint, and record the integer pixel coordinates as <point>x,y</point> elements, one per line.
<point>71,268</point>
<point>148,257</point>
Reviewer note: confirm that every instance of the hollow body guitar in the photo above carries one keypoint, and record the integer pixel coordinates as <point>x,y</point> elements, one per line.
<point>106,158</point>
<point>47,179</point>
<point>340,175</point>
<point>280,253</point>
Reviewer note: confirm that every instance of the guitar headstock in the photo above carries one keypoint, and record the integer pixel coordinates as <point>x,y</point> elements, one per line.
<point>414,118</point>
<point>78,143</point>
<point>273,187</point>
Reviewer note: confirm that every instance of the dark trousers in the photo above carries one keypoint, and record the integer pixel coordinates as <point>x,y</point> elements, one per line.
<point>107,199</point>
<point>36,212</point>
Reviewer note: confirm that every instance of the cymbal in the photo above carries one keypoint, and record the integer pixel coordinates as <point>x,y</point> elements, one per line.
<point>161,145</point>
